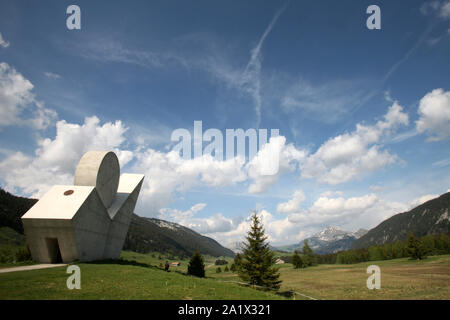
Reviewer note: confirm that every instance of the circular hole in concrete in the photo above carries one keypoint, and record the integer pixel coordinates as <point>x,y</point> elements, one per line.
<point>68,192</point>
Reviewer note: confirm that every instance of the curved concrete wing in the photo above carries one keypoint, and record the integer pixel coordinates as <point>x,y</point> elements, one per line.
<point>99,169</point>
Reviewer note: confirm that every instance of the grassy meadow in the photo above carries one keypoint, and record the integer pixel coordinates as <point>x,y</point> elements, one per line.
<point>400,279</point>
<point>121,281</point>
<point>139,276</point>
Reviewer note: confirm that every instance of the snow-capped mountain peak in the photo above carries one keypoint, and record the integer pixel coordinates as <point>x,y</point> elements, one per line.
<point>331,239</point>
<point>332,233</point>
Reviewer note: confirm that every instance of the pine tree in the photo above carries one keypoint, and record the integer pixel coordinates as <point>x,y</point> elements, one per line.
<point>218,270</point>
<point>196,265</point>
<point>415,247</point>
<point>309,258</point>
<point>237,262</point>
<point>297,260</point>
<point>257,264</point>
<point>226,269</point>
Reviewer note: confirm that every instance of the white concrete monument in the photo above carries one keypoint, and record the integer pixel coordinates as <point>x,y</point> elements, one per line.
<point>87,221</point>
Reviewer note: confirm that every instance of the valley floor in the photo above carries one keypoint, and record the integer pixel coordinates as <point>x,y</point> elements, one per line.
<point>400,279</point>
<point>143,279</point>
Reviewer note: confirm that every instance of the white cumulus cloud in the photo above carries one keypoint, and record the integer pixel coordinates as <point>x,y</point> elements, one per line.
<point>17,100</point>
<point>351,213</point>
<point>55,159</point>
<point>213,224</point>
<point>434,115</point>
<point>169,173</point>
<point>278,231</point>
<point>329,210</point>
<point>293,205</point>
<point>287,155</point>
<point>351,154</point>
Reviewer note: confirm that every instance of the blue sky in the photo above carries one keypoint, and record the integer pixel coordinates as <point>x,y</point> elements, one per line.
<point>364,115</point>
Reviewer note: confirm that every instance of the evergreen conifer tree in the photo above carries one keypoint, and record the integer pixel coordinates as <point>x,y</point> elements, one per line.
<point>257,265</point>
<point>415,247</point>
<point>308,255</point>
<point>196,265</point>
<point>297,260</point>
<point>237,262</point>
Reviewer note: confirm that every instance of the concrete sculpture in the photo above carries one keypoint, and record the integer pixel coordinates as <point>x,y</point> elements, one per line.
<point>87,221</point>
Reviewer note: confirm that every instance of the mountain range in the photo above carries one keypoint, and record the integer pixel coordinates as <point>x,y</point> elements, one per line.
<point>329,240</point>
<point>144,234</point>
<point>431,217</point>
<point>151,234</point>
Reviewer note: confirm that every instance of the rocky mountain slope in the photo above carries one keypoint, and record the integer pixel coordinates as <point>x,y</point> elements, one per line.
<point>431,217</point>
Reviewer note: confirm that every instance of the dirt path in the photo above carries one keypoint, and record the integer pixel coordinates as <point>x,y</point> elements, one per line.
<point>32,267</point>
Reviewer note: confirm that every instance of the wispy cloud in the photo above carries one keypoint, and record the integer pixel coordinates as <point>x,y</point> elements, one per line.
<point>440,9</point>
<point>52,75</point>
<point>327,102</point>
<point>404,136</point>
<point>421,39</point>
<point>108,49</point>
<point>3,42</point>
<point>252,72</point>
<point>211,60</point>
<point>445,10</point>
<point>442,163</point>
<point>437,8</point>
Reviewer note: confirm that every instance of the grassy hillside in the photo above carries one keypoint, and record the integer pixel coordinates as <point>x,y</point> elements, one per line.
<point>11,242</point>
<point>400,279</point>
<point>121,281</point>
<point>12,208</point>
<point>150,234</point>
<point>11,238</point>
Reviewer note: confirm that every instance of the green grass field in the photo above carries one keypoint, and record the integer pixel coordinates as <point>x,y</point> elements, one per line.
<point>138,276</point>
<point>153,259</point>
<point>120,281</point>
<point>400,279</point>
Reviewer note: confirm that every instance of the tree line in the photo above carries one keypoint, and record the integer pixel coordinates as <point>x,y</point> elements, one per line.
<point>413,247</point>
